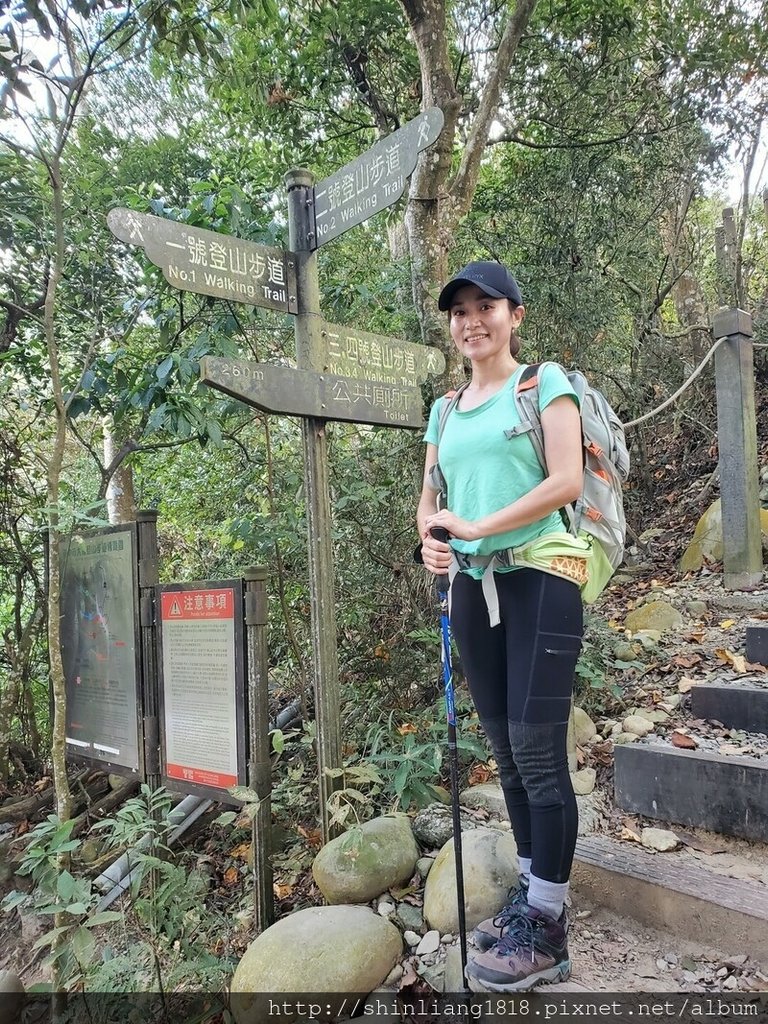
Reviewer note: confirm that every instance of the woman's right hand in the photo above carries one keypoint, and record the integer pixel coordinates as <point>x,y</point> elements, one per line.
<point>436,554</point>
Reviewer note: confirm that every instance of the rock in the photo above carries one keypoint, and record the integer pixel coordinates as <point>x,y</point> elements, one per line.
<point>593,809</point>
<point>320,949</point>
<point>654,716</point>
<point>434,976</point>
<point>626,651</point>
<point>446,939</point>
<point>116,781</point>
<point>626,737</point>
<point>411,938</point>
<point>410,917</point>
<point>394,976</point>
<point>433,826</point>
<point>429,944</point>
<point>490,870</point>
<point>660,839</point>
<point>423,865</point>
<point>570,742</point>
<point>385,909</point>
<point>386,856</point>
<point>707,541</point>
<point>11,997</point>
<point>657,614</point>
<point>584,781</point>
<point>648,637</point>
<point>487,796</point>
<point>442,794</point>
<point>637,725</point>
<point>453,979</point>
<point>608,725</point>
<point>697,609</point>
<point>584,726</point>
<point>730,983</point>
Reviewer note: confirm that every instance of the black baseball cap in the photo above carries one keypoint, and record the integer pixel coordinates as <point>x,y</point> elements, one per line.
<point>492,278</point>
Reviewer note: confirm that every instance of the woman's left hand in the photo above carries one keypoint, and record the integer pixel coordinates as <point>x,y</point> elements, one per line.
<point>461,529</point>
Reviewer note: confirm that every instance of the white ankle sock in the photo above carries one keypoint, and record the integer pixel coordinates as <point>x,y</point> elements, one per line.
<point>524,867</point>
<point>548,897</point>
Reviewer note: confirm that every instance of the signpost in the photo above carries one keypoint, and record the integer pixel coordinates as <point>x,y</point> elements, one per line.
<point>341,373</point>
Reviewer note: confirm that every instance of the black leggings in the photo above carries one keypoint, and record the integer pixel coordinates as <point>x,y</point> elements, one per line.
<point>520,675</point>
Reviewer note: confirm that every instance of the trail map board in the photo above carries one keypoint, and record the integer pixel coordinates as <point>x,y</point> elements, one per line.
<point>100,647</point>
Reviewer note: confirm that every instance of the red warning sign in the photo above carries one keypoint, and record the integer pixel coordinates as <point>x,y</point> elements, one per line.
<point>197,604</point>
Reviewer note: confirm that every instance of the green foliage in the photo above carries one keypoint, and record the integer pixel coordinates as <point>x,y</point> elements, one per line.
<point>411,757</point>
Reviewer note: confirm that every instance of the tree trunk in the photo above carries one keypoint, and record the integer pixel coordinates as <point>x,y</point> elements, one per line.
<point>436,206</point>
<point>121,501</point>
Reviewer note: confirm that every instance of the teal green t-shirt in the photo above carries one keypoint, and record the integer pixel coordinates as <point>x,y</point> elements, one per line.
<point>485,470</point>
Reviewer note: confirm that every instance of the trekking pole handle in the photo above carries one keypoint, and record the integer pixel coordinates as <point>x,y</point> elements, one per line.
<point>441,579</point>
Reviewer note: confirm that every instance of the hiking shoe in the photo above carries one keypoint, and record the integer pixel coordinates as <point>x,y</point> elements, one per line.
<point>488,932</point>
<point>534,950</point>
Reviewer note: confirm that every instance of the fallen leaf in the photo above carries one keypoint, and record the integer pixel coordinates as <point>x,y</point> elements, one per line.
<point>312,835</point>
<point>281,889</point>
<point>241,852</point>
<point>630,835</point>
<point>684,684</point>
<point>231,876</point>
<point>407,727</point>
<point>727,623</point>
<point>696,636</point>
<point>686,660</point>
<point>410,977</point>
<point>738,661</point>
<point>755,666</point>
<point>480,773</point>
<point>684,742</point>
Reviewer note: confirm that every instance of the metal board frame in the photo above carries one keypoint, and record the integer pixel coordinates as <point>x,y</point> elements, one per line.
<point>241,709</point>
<point>73,754</point>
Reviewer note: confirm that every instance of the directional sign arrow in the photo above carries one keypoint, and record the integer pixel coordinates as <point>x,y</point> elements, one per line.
<point>210,263</point>
<point>375,180</point>
<point>283,389</point>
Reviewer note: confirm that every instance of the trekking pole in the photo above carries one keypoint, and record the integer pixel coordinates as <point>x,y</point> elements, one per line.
<point>441,586</point>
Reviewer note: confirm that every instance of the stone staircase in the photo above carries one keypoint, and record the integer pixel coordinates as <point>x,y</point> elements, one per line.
<point>725,794</point>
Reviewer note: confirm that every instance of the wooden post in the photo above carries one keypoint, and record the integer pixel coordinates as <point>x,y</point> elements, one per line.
<point>259,766</point>
<point>309,348</point>
<point>148,579</point>
<point>737,439</point>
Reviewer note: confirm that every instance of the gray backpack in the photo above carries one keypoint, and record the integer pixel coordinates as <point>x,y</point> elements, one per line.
<point>599,511</point>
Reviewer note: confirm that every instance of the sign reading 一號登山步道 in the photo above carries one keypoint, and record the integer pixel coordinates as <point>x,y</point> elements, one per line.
<point>209,263</point>
<point>374,180</point>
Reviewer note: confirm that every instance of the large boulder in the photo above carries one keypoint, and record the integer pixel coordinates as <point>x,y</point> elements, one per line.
<point>584,727</point>
<point>386,855</point>
<point>317,950</point>
<point>707,541</point>
<point>490,869</point>
<point>658,614</point>
<point>486,796</point>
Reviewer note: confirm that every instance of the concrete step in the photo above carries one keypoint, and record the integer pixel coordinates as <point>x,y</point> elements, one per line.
<point>736,705</point>
<point>672,892</point>
<point>726,794</point>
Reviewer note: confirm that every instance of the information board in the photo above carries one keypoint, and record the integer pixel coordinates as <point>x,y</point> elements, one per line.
<point>202,686</point>
<point>100,647</point>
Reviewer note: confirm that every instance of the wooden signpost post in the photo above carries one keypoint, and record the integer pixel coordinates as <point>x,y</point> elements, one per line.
<point>341,373</point>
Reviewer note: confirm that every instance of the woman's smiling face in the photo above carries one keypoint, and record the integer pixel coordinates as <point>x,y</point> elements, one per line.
<point>480,325</point>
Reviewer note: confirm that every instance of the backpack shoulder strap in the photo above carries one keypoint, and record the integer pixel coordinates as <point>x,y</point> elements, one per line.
<point>450,401</point>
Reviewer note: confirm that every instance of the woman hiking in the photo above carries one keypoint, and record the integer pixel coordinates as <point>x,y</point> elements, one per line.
<point>518,628</point>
